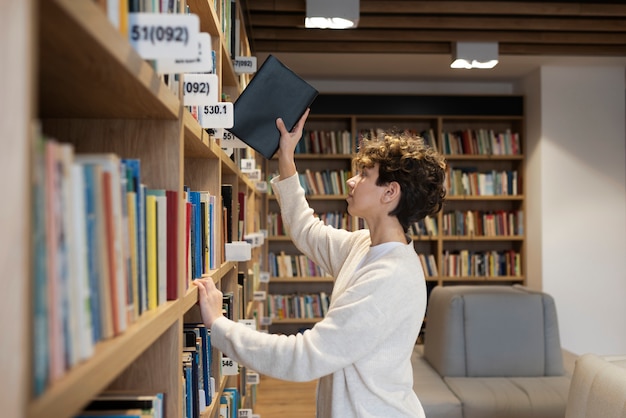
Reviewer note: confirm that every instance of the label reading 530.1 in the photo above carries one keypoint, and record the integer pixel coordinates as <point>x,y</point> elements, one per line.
<point>219,115</point>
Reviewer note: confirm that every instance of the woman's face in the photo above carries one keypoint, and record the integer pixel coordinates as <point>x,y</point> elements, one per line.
<point>364,196</point>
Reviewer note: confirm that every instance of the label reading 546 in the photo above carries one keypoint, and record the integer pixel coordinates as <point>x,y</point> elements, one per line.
<point>229,367</point>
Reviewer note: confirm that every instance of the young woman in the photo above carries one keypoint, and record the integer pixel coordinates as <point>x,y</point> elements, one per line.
<point>361,351</point>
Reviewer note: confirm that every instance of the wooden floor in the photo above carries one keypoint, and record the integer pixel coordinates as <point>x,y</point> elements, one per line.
<point>280,399</point>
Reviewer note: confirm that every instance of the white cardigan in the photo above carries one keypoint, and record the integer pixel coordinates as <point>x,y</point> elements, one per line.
<point>361,351</point>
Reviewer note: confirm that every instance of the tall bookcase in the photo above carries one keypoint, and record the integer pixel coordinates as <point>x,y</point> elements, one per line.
<point>462,248</point>
<point>75,76</point>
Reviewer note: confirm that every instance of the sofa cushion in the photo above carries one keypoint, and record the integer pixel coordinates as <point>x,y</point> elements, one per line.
<point>504,335</point>
<point>497,397</point>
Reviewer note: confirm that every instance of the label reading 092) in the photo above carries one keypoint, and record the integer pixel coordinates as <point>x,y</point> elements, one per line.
<point>200,90</point>
<point>197,88</point>
<point>160,35</point>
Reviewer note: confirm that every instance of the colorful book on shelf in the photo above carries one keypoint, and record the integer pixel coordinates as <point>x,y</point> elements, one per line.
<point>151,250</point>
<point>204,345</point>
<point>196,234</point>
<point>114,232</point>
<point>274,92</point>
<point>134,186</point>
<point>172,244</point>
<point>40,267</point>
<point>161,242</point>
<point>126,403</point>
<point>81,297</point>
<point>54,235</point>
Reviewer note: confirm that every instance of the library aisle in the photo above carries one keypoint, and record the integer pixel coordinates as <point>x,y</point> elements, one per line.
<point>281,399</point>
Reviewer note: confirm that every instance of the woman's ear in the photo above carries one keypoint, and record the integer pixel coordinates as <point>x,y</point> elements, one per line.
<point>392,192</point>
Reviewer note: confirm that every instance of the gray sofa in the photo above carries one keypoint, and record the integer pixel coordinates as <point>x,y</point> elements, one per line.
<point>491,351</point>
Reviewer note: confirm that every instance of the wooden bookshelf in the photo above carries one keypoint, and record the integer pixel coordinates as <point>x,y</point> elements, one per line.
<point>77,78</point>
<point>370,112</point>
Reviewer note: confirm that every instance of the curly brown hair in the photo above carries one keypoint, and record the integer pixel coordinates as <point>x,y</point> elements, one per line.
<point>418,169</point>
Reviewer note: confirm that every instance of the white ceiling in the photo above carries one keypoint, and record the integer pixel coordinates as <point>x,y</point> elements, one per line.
<point>414,67</point>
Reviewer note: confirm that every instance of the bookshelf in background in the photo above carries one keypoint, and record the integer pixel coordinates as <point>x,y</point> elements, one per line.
<point>479,236</point>
<point>108,117</point>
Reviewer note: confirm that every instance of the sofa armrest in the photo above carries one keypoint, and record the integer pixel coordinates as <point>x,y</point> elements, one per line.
<point>434,394</point>
<point>569,362</point>
<point>598,388</point>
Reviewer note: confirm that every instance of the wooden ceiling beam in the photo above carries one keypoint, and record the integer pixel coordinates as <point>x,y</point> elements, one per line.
<point>449,22</point>
<point>437,48</point>
<point>580,8</point>
<point>403,35</point>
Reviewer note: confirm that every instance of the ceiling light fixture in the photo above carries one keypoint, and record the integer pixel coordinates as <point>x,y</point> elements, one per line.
<point>474,55</point>
<point>332,14</point>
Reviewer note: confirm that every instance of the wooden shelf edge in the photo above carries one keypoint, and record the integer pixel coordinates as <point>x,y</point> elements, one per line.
<point>485,198</point>
<point>136,87</point>
<point>196,140</point>
<point>296,321</point>
<point>483,238</point>
<point>482,279</point>
<point>306,279</point>
<point>74,390</point>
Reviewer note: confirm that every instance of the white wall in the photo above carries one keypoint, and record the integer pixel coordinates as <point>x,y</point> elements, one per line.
<point>576,211</point>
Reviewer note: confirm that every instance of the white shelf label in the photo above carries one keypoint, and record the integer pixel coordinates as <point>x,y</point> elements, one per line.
<point>218,115</point>
<point>200,89</point>
<point>245,65</point>
<point>229,367</point>
<point>266,321</point>
<point>161,35</point>
<point>253,378</point>
<point>244,413</point>
<point>231,141</point>
<point>247,164</point>
<point>264,277</point>
<point>201,63</point>
<point>250,323</point>
<point>259,295</point>
<point>261,186</point>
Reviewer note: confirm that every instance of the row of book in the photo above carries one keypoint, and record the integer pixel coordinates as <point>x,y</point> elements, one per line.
<point>198,380</point>
<point>297,265</point>
<point>428,135</point>
<point>467,263</point>
<point>105,252</point>
<point>127,404</point>
<point>471,182</point>
<point>338,220</point>
<point>484,223</point>
<point>429,265</point>
<point>106,249</point>
<point>424,227</point>
<point>324,183</point>
<point>297,306</point>
<point>481,142</point>
<point>325,142</point>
